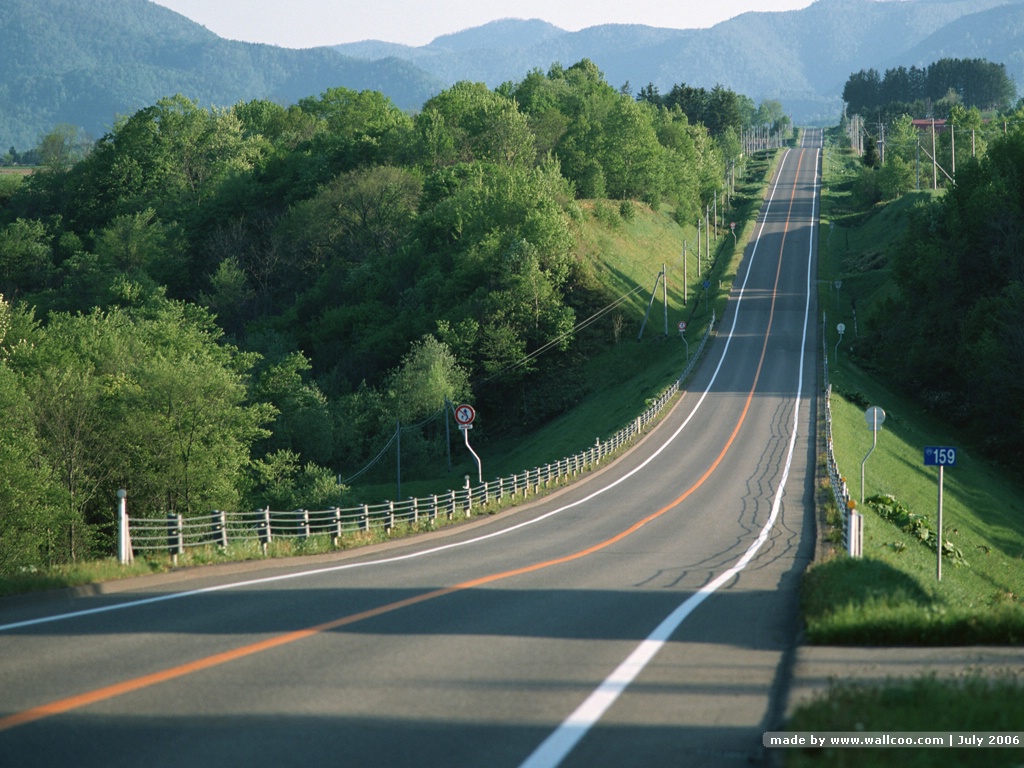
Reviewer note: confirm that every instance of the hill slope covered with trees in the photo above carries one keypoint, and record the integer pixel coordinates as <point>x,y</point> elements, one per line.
<point>245,300</point>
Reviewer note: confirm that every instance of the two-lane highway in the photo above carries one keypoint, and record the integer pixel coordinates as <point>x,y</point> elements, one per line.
<point>643,617</point>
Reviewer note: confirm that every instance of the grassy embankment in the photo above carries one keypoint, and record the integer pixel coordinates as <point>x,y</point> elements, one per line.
<point>623,252</point>
<point>892,596</point>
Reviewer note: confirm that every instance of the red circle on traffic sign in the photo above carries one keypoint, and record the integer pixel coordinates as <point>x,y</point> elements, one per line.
<point>465,414</point>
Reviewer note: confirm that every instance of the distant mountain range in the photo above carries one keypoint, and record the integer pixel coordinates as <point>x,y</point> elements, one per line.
<point>84,62</point>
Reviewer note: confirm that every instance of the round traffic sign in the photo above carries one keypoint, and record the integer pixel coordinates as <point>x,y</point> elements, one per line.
<point>682,325</point>
<point>465,414</point>
<point>874,416</point>
<point>841,328</point>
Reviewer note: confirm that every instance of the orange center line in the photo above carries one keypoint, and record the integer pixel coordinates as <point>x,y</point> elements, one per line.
<point>78,701</point>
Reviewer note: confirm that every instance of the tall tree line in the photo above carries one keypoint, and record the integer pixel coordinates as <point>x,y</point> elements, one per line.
<point>971,82</point>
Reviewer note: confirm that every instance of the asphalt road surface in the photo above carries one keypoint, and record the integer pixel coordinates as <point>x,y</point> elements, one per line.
<point>644,617</point>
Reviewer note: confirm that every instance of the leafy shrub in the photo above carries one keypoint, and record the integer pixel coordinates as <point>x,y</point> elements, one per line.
<point>890,508</point>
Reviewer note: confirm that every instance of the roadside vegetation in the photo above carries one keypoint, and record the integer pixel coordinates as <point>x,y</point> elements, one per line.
<point>892,595</point>
<point>626,374</point>
<point>231,309</point>
<point>973,703</point>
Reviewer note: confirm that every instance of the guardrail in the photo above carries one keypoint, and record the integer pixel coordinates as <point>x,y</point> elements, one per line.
<point>853,521</point>
<point>175,533</point>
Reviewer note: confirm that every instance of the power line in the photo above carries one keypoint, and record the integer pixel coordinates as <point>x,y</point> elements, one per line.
<point>553,342</point>
<point>521,362</point>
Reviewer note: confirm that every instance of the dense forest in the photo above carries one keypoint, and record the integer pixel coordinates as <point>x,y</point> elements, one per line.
<point>219,308</point>
<point>953,333</point>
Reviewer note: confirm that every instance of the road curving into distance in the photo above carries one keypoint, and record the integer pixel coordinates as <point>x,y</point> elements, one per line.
<point>646,616</point>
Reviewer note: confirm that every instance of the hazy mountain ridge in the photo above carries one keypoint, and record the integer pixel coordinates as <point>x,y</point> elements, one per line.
<point>85,62</point>
<point>800,57</point>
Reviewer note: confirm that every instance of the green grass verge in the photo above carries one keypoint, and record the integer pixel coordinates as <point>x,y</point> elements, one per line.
<point>892,595</point>
<point>921,704</point>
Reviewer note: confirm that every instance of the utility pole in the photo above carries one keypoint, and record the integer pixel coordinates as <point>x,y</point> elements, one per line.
<point>664,295</point>
<point>707,233</point>
<point>918,187</point>
<point>952,146</point>
<point>685,280</point>
<point>698,246</point>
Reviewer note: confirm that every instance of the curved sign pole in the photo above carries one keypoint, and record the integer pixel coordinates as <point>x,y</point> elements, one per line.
<point>464,415</point>
<point>874,417</point>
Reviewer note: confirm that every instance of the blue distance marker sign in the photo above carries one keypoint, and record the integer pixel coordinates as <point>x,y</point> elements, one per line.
<point>939,456</point>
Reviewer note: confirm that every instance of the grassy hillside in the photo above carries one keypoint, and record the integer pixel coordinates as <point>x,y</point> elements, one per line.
<point>623,253</point>
<point>892,595</point>
<point>625,249</point>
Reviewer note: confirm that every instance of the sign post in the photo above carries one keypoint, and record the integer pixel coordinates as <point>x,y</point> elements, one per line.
<point>874,416</point>
<point>464,415</point>
<point>940,456</point>
<point>682,335</point>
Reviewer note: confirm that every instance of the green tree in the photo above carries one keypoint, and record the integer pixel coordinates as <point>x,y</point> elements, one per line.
<point>896,178</point>
<point>862,91</point>
<point>469,123</point>
<point>901,139</point>
<point>632,159</point>
<point>26,260</point>
<point>304,423</point>
<point>140,246</point>
<point>871,157</point>
<point>680,170</point>
<point>428,377</point>
<point>355,129</point>
<point>61,148</point>
<point>961,262</point>
<point>172,157</point>
<point>771,113</point>
<point>527,300</point>
<point>143,398</point>
<point>359,213</point>
<point>281,482</point>
<point>573,106</point>
<point>34,528</point>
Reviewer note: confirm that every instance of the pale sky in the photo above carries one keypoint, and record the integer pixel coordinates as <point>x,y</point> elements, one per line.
<point>309,23</point>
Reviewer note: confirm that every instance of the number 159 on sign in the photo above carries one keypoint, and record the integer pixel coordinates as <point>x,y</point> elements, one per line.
<point>939,456</point>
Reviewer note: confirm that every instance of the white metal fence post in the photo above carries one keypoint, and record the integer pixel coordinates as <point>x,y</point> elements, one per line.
<point>124,536</point>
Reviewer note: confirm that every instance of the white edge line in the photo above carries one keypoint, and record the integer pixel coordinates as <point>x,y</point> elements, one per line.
<point>562,740</point>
